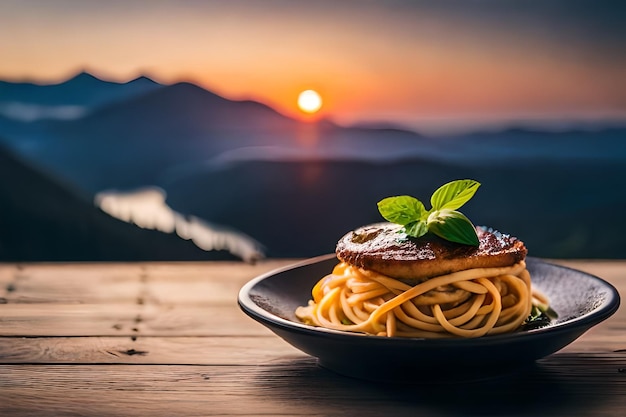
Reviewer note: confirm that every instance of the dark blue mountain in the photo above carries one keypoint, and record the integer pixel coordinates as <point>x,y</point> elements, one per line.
<point>83,90</point>
<point>158,136</point>
<point>151,138</point>
<point>525,144</point>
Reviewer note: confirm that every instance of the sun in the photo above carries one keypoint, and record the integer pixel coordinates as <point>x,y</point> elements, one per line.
<point>309,101</point>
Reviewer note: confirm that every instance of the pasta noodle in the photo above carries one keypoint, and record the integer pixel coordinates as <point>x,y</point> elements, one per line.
<point>470,303</point>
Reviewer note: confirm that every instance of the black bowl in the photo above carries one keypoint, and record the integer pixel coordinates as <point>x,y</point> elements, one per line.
<point>580,299</point>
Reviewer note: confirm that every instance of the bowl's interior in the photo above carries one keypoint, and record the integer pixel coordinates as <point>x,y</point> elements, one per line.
<point>281,292</point>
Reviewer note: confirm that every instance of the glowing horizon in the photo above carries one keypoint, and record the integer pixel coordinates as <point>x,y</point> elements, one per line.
<point>410,63</point>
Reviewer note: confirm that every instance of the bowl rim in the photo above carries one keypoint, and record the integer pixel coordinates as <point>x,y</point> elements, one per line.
<point>600,313</point>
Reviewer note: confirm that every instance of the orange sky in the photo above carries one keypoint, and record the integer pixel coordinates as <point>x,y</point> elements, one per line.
<point>416,63</point>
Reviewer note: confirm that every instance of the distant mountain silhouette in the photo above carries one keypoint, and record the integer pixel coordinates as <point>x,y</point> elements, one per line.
<point>42,220</point>
<point>176,113</point>
<point>527,144</point>
<point>83,89</point>
<point>149,137</point>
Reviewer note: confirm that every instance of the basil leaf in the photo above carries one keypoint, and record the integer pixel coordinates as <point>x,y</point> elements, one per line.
<point>453,226</point>
<point>402,209</point>
<point>442,219</point>
<point>416,229</point>
<point>453,194</point>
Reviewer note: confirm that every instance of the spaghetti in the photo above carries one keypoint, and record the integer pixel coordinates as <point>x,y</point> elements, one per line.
<point>469,303</point>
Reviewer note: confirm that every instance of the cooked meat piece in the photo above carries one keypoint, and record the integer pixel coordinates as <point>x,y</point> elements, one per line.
<point>381,248</point>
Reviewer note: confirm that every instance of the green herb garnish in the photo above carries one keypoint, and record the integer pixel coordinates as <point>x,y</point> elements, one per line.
<point>442,219</point>
<point>540,315</point>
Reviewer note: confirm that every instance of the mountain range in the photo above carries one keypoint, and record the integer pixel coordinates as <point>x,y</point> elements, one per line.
<point>83,90</point>
<point>297,186</point>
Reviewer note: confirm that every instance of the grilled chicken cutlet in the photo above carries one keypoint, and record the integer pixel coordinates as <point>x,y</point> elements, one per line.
<point>381,248</point>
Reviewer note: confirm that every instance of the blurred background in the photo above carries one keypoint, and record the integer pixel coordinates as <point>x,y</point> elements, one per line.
<point>173,130</point>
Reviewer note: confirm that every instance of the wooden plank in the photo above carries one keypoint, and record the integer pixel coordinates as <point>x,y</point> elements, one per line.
<point>207,291</point>
<point>29,291</point>
<point>567,385</point>
<point>232,350</point>
<point>125,320</point>
<point>102,290</point>
<point>146,350</point>
<point>190,283</point>
<point>76,283</point>
<point>229,271</point>
<point>68,320</point>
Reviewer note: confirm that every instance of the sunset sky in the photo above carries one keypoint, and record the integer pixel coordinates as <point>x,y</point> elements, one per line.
<point>432,65</point>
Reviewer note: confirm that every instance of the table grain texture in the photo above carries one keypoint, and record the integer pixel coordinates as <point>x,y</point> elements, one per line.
<point>168,339</point>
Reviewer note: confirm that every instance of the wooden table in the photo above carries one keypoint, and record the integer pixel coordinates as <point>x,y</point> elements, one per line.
<point>168,339</point>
